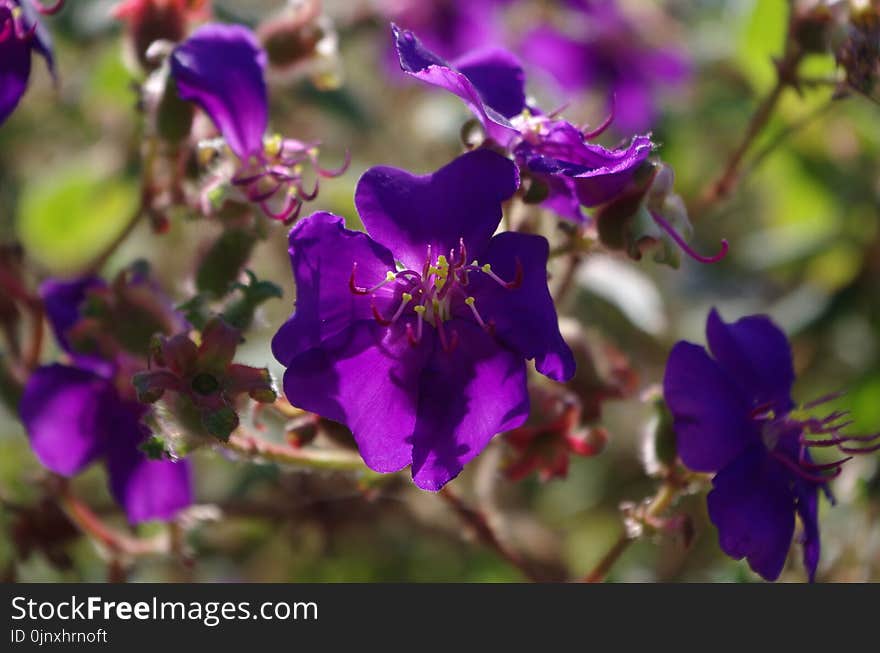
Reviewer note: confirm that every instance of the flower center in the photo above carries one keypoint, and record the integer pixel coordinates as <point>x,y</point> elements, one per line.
<point>435,294</point>
<point>274,178</point>
<point>790,437</point>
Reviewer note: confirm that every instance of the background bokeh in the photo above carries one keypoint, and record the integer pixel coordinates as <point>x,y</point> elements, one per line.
<point>805,248</point>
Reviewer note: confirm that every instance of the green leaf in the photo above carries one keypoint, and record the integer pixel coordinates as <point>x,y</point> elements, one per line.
<point>69,218</point>
<point>762,38</point>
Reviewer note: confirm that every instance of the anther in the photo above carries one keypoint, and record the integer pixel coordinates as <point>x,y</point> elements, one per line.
<point>470,301</point>
<point>357,290</point>
<point>510,285</point>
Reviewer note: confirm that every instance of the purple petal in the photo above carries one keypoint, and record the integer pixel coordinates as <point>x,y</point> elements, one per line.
<point>365,377</point>
<point>808,508</point>
<point>598,174</point>
<point>710,416</point>
<point>220,68</point>
<point>753,508</point>
<point>568,61</point>
<point>668,65</point>
<point>562,198</point>
<point>15,69</point>
<point>146,489</point>
<point>448,28</point>
<point>42,41</point>
<point>757,356</point>
<point>633,103</point>
<point>460,201</point>
<point>323,254</point>
<point>466,397</point>
<point>61,410</point>
<point>150,489</point>
<point>421,63</point>
<point>63,303</point>
<point>498,77</point>
<point>524,317</point>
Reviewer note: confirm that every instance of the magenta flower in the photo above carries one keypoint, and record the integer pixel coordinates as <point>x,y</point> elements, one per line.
<point>222,69</point>
<point>600,47</point>
<point>491,83</point>
<point>86,411</point>
<point>21,33</point>
<point>733,416</point>
<point>416,335</point>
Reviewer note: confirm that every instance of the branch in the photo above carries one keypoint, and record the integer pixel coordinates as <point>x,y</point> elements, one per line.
<point>480,525</point>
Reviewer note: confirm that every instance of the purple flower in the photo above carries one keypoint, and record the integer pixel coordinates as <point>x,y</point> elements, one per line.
<point>492,84</point>
<point>416,335</point>
<point>600,46</point>
<point>221,68</point>
<point>733,415</point>
<point>79,413</point>
<point>449,27</point>
<point>21,32</point>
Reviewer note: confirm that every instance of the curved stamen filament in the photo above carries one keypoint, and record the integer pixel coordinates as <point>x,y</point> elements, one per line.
<point>357,290</point>
<point>803,473</point>
<point>598,131</point>
<point>415,338</point>
<point>824,466</point>
<point>288,214</point>
<point>843,439</point>
<point>487,270</point>
<point>668,228</point>
<point>824,399</point>
<point>332,172</point>
<point>48,10</point>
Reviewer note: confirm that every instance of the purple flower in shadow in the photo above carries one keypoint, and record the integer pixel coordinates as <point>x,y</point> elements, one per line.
<point>416,335</point>
<point>221,68</point>
<point>601,47</point>
<point>491,83</point>
<point>734,417</point>
<point>21,33</point>
<point>86,411</point>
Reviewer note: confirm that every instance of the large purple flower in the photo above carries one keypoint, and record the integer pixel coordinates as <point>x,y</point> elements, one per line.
<point>21,33</point>
<point>601,47</point>
<point>83,412</point>
<point>491,82</point>
<point>416,335</point>
<point>222,69</point>
<point>733,416</point>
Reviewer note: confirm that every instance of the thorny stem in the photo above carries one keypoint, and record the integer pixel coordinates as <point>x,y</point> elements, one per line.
<point>480,525</point>
<point>661,501</point>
